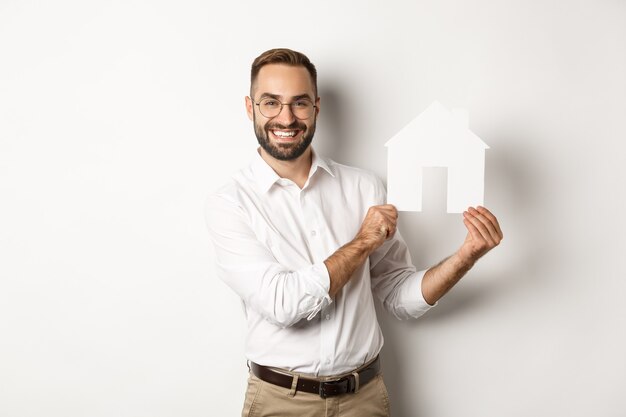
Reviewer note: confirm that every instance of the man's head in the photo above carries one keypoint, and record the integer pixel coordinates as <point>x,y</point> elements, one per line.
<point>287,77</point>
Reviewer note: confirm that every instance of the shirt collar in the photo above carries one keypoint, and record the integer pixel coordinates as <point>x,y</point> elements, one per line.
<point>265,176</point>
<point>319,161</point>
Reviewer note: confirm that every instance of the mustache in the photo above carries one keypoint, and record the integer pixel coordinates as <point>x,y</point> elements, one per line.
<point>295,125</point>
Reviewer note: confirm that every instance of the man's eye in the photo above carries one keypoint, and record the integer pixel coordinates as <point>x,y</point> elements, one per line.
<point>301,103</point>
<point>270,103</point>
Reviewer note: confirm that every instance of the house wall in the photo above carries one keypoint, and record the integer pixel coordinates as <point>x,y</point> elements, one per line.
<point>118,118</point>
<point>466,182</point>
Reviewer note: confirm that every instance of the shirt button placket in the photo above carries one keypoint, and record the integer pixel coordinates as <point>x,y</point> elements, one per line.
<point>327,326</point>
<point>327,336</point>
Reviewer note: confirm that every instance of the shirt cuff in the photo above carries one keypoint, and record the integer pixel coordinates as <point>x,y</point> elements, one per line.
<point>420,277</point>
<point>320,278</point>
<point>418,304</point>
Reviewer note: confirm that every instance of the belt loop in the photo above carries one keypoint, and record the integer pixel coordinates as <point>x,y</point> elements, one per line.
<point>356,382</point>
<point>294,386</point>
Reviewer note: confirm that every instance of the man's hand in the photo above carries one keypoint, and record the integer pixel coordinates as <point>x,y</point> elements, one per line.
<point>379,225</point>
<point>484,234</point>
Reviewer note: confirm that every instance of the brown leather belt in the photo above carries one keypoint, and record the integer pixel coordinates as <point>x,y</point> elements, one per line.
<point>325,388</point>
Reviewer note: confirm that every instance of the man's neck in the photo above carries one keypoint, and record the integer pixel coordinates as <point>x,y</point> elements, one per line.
<point>297,170</point>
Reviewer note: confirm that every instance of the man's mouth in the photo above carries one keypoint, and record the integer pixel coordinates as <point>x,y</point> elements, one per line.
<point>285,135</point>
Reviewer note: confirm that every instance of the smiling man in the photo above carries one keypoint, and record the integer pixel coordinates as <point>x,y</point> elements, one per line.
<point>283,138</point>
<point>306,243</point>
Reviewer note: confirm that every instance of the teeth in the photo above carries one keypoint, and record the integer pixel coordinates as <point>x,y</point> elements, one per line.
<point>282,134</point>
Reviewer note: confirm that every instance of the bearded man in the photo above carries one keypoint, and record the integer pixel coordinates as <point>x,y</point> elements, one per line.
<point>306,243</point>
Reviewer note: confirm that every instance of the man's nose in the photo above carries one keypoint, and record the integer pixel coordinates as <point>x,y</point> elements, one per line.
<point>286,115</point>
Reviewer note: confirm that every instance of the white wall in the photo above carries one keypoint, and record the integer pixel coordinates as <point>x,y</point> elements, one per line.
<point>117,118</point>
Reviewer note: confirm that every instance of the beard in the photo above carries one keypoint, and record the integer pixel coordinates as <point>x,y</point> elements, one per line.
<point>284,151</point>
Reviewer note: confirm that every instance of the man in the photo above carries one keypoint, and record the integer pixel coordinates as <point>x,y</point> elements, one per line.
<point>305,242</point>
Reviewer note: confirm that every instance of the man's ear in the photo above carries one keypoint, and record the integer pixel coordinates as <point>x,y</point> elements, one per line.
<point>317,106</point>
<point>249,108</point>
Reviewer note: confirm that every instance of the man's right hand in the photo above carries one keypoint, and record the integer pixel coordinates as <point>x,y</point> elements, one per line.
<point>379,225</point>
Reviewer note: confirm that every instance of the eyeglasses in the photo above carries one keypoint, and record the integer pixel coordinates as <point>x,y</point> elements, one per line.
<point>302,108</point>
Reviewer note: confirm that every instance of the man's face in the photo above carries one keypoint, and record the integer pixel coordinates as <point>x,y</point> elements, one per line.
<point>284,137</point>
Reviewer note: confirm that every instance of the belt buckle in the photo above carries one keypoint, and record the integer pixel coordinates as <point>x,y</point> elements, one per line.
<point>338,382</point>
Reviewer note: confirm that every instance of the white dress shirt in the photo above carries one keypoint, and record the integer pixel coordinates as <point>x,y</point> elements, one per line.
<point>271,239</point>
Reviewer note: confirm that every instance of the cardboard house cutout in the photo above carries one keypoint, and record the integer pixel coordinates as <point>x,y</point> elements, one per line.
<point>436,138</point>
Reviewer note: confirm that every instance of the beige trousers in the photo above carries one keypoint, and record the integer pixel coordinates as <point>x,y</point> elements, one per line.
<point>268,400</point>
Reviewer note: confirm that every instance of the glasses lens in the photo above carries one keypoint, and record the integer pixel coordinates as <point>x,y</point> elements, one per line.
<point>302,109</point>
<point>269,107</point>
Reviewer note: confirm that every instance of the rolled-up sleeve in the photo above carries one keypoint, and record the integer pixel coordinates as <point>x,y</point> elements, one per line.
<point>280,295</point>
<point>396,282</point>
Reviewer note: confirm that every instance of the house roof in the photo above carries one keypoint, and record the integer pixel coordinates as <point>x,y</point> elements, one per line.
<point>434,123</point>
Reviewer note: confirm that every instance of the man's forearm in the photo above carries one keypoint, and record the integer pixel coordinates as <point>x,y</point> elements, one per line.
<point>379,225</point>
<point>483,234</point>
<point>342,264</point>
<point>440,278</point>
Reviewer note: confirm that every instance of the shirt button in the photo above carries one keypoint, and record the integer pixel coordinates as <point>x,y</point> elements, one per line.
<point>327,316</point>
<point>313,233</point>
<point>327,361</point>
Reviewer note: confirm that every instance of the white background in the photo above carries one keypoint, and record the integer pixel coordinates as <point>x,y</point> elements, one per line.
<point>117,118</point>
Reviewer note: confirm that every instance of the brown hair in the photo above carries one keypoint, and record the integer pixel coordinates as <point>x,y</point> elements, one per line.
<point>282,56</point>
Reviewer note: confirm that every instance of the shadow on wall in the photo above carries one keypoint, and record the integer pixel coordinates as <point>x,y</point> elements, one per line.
<point>517,188</point>
<point>330,138</point>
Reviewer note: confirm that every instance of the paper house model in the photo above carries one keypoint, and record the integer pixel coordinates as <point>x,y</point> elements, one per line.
<point>436,138</point>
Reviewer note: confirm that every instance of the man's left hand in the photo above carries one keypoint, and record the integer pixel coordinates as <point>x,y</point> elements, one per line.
<point>484,234</point>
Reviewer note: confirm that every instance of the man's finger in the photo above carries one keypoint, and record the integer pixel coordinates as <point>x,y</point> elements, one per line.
<point>388,209</point>
<point>485,212</point>
<point>473,231</point>
<point>495,235</point>
<point>484,233</point>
